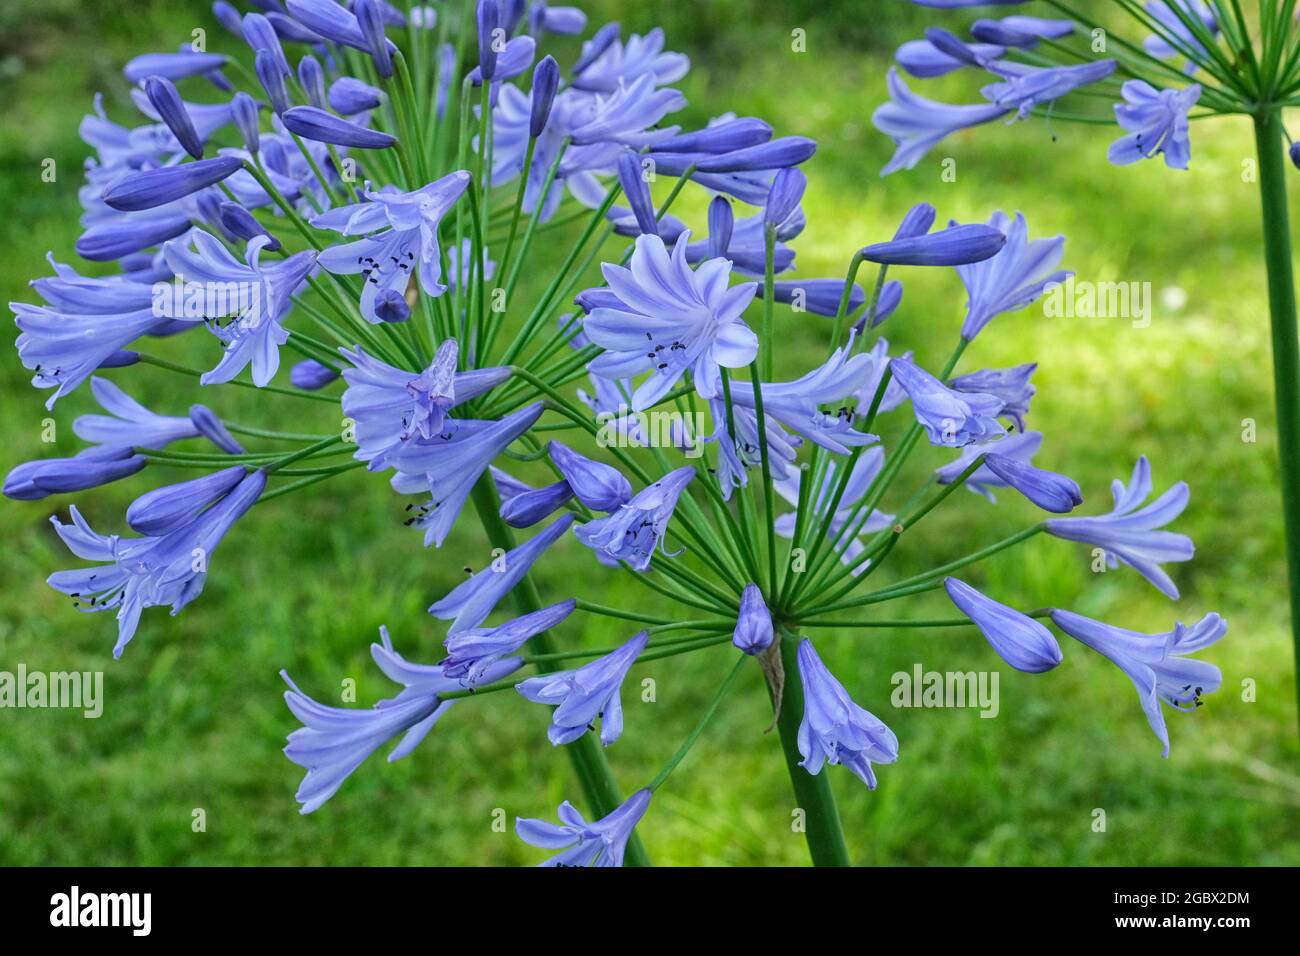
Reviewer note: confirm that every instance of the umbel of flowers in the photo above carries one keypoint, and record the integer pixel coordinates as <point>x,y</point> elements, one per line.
<point>1151,67</point>
<point>366,184</point>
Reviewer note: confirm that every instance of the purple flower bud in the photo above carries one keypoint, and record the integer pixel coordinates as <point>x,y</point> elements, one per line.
<point>315,124</point>
<point>164,509</point>
<point>1047,489</point>
<point>371,21</point>
<point>244,110</point>
<point>241,223</point>
<point>754,632</point>
<point>34,480</point>
<point>214,430</point>
<point>1021,641</point>
<point>721,223</point>
<point>489,19</point>
<point>546,79</point>
<point>155,187</point>
<point>787,191</point>
<point>1022,32</point>
<point>527,508</point>
<point>312,78</point>
<point>597,485</point>
<point>290,30</point>
<point>891,297</point>
<point>918,221</point>
<point>954,246</point>
<point>349,96</point>
<point>637,191</point>
<point>601,298</point>
<point>778,154</point>
<point>725,137</point>
<point>1295,154</point>
<point>272,80</point>
<point>311,375</point>
<point>598,44</point>
<point>228,17</point>
<point>330,20</point>
<point>174,66</point>
<point>390,306</point>
<point>117,239</point>
<point>261,36</point>
<point>171,110</point>
<point>569,21</point>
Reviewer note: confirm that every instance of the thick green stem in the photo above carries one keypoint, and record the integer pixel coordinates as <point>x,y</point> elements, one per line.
<point>812,793</point>
<point>1286,350</point>
<point>597,780</point>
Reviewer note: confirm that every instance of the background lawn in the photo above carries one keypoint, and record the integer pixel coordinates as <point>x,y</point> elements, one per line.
<point>193,715</point>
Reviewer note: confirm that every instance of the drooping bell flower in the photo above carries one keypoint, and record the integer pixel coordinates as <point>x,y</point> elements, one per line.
<point>601,843</point>
<point>471,653</point>
<point>1013,278</point>
<point>949,417</point>
<point>636,529</point>
<point>581,696</point>
<point>834,728</point>
<point>1156,121</point>
<point>917,124</point>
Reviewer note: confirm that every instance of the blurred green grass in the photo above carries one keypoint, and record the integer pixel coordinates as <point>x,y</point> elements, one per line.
<point>193,716</point>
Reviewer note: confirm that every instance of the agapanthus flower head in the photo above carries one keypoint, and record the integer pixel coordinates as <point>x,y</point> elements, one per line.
<point>949,417</point>
<point>469,603</point>
<point>1021,641</point>
<point>1131,533</point>
<point>1013,278</point>
<point>834,728</point>
<point>334,741</point>
<point>671,320</point>
<point>137,573</point>
<point>1155,662</point>
<point>601,843</point>
<point>589,692</point>
<point>637,528</point>
<point>1156,121</point>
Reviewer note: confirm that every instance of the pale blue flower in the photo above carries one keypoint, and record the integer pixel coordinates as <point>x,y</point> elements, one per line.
<point>1156,121</point>
<point>1020,640</point>
<point>586,844</point>
<point>834,728</point>
<point>917,124</point>
<point>1013,278</point>
<point>949,417</point>
<point>582,695</point>
<point>636,529</point>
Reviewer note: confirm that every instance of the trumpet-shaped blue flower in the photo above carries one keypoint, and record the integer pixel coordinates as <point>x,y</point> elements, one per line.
<point>1013,278</point>
<point>1156,121</point>
<point>601,843</point>
<point>254,333</point>
<point>949,417</point>
<point>476,651</point>
<point>129,424</point>
<point>622,63</point>
<point>835,729</point>
<point>393,407</point>
<point>448,465</point>
<point>334,741</point>
<point>400,238</point>
<point>1020,640</point>
<point>136,573</point>
<point>469,603</point>
<point>580,696</point>
<point>1009,384</point>
<point>1023,87</point>
<point>670,319</point>
<point>636,529</point>
<point>1131,534</point>
<point>1155,663</point>
<point>917,124</point>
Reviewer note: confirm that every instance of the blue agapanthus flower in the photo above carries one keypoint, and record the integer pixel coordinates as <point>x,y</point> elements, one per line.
<point>1131,533</point>
<point>669,319</point>
<point>1155,662</point>
<point>636,529</point>
<point>917,124</point>
<point>400,233</point>
<point>1010,280</point>
<point>1156,121</point>
<point>589,692</point>
<point>333,741</point>
<point>834,728</point>
<point>601,843</point>
<point>949,417</point>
